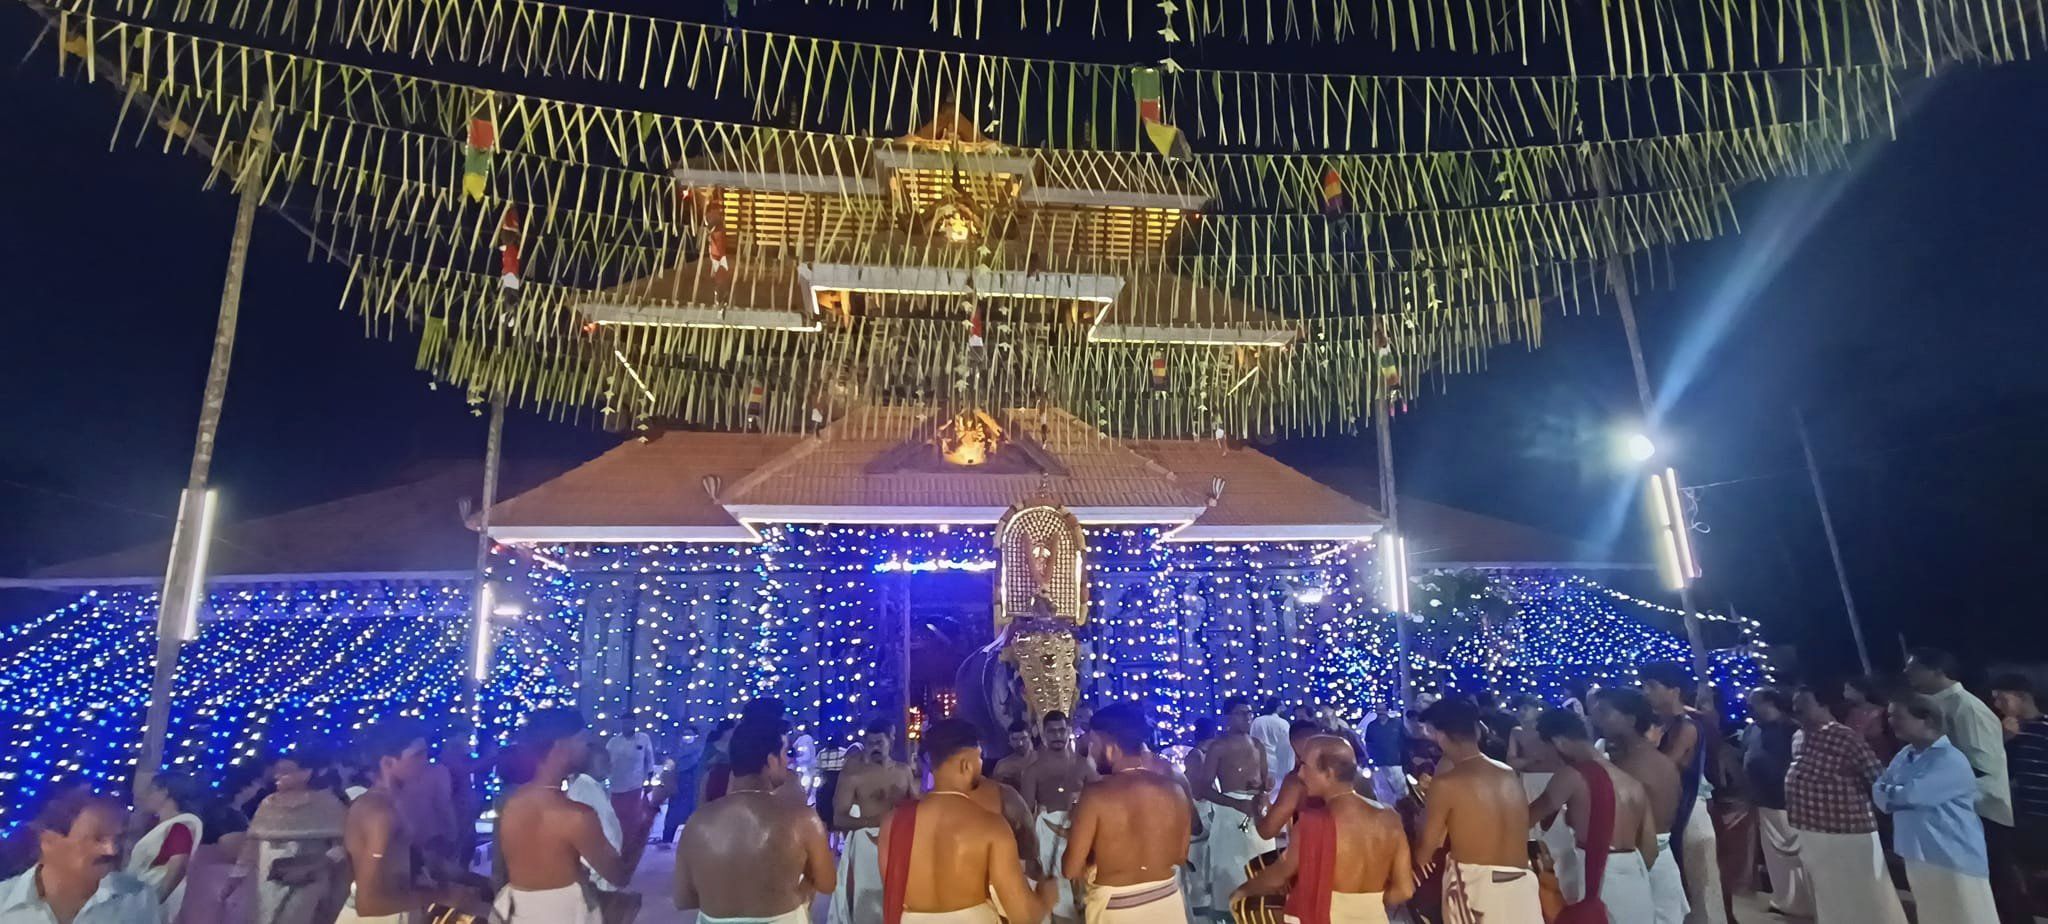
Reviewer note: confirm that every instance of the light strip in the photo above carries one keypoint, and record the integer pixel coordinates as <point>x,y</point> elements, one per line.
<point>1679,528</point>
<point>479,643</point>
<point>195,596</point>
<point>1396,551</point>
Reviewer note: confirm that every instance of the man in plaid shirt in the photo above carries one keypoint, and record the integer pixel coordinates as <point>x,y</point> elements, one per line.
<point>1827,796</point>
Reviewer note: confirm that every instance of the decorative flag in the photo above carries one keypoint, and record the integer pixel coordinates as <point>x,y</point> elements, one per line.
<point>508,250</point>
<point>476,162</point>
<point>757,400</point>
<point>1157,379</point>
<point>1152,111</point>
<point>1389,367</point>
<point>715,244</point>
<point>1333,193</point>
<point>977,324</point>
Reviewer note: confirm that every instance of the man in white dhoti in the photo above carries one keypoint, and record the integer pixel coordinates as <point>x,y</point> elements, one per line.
<point>1828,798</point>
<point>870,784</point>
<point>1931,794</point>
<point>1609,812</point>
<point>1195,873</point>
<point>547,838</point>
<point>1051,784</point>
<point>1233,782</point>
<point>1623,718</point>
<point>947,859</point>
<point>1273,731</point>
<point>754,856</point>
<point>1478,815</point>
<point>1131,827</point>
<point>1682,736</point>
<point>1766,755</point>
<point>1376,872</point>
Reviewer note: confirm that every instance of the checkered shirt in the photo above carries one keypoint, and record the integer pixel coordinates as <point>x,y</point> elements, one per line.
<point>1827,788</point>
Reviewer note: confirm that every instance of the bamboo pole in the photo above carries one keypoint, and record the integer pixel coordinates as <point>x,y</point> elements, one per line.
<point>184,588</point>
<point>1827,525</point>
<point>480,602</point>
<point>1624,297</point>
<point>1390,507</point>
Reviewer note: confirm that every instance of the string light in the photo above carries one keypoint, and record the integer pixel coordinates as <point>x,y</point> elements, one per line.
<point>664,634</point>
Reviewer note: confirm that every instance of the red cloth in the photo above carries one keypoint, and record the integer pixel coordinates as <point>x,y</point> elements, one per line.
<point>1597,842</point>
<point>1313,838</point>
<point>177,843</point>
<point>896,864</point>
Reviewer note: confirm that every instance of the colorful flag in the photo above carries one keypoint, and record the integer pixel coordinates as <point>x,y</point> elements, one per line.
<point>476,162</point>
<point>977,324</point>
<point>716,246</point>
<point>1152,111</point>
<point>1157,378</point>
<point>508,250</point>
<point>1333,193</point>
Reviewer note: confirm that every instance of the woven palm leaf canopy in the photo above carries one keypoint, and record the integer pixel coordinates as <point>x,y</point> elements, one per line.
<point>597,213</point>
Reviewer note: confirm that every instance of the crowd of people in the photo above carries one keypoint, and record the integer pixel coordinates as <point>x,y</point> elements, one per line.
<point>1621,804</point>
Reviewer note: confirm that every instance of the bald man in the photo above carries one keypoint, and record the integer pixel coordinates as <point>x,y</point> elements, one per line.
<point>1347,858</point>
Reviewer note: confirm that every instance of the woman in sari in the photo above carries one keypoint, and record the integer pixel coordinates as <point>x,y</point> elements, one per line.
<point>162,856</point>
<point>296,841</point>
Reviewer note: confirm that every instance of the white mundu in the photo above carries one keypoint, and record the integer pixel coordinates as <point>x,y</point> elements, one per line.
<point>1475,893</point>
<point>1233,841</point>
<point>569,904</point>
<point>858,899</point>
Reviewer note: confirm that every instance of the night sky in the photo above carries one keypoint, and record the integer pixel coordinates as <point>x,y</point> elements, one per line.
<point>1899,304</point>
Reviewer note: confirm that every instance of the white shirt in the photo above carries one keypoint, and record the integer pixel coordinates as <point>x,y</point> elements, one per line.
<point>586,789</point>
<point>1974,729</point>
<point>632,759</point>
<point>1271,731</point>
<point>121,899</point>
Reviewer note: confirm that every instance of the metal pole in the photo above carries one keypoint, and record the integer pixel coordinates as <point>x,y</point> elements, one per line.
<point>1624,296</point>
<point>1390,506</point>
<point>179,575</point>
<point>472,687</point>
<point>1827,525</point>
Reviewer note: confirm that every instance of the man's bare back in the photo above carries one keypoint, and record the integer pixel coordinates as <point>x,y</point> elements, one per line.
<point>1482,811</point>
<point>959,851</point>
<point>1054,780</point>
<point>545,837</point>
<point>1631,805</point>
<point>1658,777</point>
<point>380,856</point>
<point>752,855</point>
<point>1002,800</point>
<point>1010,770</point>
<point>1372,849</point>
<point>1132,827</point>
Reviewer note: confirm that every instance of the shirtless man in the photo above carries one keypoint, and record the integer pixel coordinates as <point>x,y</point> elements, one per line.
<point>1010,769</point>
<point>871,783</point>
<point>1275,818</point>
<point>1347,851</point>
<point>1051,784</point>
<point>1527,752</point>
<point>1681,735</point>
<point>1232,784</point>
<point>1586,785</point>
<point>943,856</point>
<point>754,856</point>
<point>547,837</point>
<point>1475,806</point>
<point>1002,799</point>
<point>1200,902</point>
<point>1131,827</point>
<point>378,842</point>
<point>1623,717</point>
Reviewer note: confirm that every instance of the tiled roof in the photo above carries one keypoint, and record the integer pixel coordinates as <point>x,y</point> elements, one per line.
<point>415,527</point>
<point>1258,492</point>
<point>649,491</point>
<point>832,471</point>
